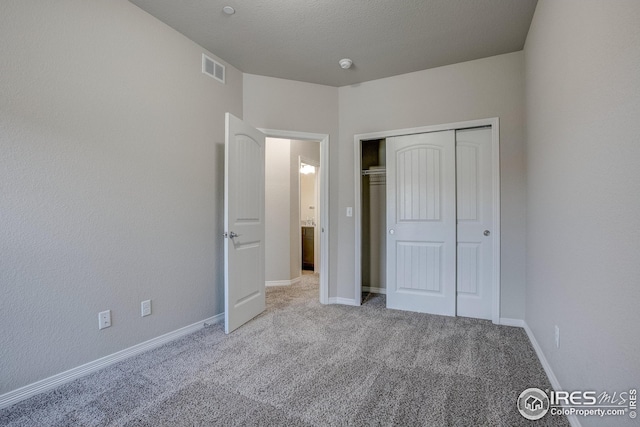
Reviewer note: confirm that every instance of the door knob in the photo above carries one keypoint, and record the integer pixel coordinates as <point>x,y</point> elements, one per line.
<point>230,234</point>
<point>391,231</point>
<point>487,233</point>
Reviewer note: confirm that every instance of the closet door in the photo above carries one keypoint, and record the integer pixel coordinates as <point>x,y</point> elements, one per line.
<point>421,223</point>
<point>475,223</point>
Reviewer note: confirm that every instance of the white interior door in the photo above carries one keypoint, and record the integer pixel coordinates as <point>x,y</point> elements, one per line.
<point>421,223</point>
<point>475,223</point>
<point>244,265</point>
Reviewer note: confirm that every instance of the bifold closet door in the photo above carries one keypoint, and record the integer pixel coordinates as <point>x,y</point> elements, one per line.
<point>421,223</point>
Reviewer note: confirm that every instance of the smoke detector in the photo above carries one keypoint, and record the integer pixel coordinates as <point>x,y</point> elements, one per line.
<point>345,63</point>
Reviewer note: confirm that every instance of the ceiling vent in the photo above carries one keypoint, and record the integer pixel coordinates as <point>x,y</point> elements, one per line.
<point>212,68</point>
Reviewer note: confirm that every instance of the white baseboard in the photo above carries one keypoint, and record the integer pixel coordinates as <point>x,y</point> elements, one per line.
<point>519,323</point>
<point>573,419</point>
<point>282,282</point>
<point>374,290</point>
<point>343,301</point>
<point>54,381</point>
<point>218,318</point>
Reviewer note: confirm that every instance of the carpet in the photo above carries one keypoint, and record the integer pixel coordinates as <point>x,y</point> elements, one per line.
<point>304,364</point>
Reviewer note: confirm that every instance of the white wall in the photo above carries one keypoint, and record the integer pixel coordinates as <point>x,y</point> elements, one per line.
<point>490,87</point>
<point>583,191</point>
<point>111,169</point>
<point>277,209</point>
<point>304,107</point>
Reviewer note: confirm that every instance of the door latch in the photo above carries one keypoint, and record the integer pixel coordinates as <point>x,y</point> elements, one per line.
<point>230,235</point>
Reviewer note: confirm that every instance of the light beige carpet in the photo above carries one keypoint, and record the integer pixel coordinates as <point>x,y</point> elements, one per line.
<point>301,363</point>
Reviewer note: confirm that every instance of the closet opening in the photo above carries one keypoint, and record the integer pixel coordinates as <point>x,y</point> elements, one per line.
<point>372,220</point>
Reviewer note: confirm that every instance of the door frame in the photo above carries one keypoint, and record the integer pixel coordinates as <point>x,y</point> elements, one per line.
<point>494,122</point>
<point>323,182</point>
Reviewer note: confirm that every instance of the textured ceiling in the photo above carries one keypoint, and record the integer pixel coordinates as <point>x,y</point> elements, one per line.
<point>304,40</point>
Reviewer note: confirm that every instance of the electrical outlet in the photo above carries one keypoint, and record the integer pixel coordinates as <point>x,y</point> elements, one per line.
<point>104,319</point>
<point>145,307</point>
<point>557,337</point>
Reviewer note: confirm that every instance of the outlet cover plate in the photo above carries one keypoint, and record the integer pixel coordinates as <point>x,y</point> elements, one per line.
<point>145,308</point>
<point>104,319</point>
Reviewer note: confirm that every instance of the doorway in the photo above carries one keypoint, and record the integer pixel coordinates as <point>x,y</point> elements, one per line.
<point>310,149</point>
<point>442,230</point>
<point>309,200</point>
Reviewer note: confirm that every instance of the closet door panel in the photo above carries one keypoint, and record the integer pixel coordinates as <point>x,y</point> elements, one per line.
<point>475,223</point>
<point>421,223</point>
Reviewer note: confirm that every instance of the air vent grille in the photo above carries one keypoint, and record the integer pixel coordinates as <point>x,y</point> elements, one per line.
<point>212,68</point>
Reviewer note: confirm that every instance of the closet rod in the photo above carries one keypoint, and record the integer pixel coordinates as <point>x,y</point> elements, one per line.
<point>374,172</point>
